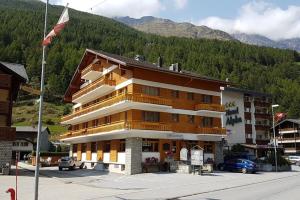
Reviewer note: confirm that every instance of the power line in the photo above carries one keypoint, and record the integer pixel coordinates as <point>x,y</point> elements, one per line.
<point>91,8</point>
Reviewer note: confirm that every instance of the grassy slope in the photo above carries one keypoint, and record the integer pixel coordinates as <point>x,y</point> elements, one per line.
<point>26,114</point>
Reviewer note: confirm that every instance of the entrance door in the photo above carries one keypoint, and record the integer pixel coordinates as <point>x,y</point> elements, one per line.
<point>164,146</point>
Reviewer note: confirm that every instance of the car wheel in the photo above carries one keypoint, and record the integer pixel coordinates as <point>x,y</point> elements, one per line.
<point>59,168</point>
<point>81,166</point>
<point>244,170</point>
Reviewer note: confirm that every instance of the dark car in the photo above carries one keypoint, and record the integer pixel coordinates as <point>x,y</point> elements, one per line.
<point>241,165</point>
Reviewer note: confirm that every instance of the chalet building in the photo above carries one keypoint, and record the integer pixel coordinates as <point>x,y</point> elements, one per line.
<point>127,110</point>
<point>248,118</point>
<point>26,139</point>
<point>288,136</point>
<point>11,77</point>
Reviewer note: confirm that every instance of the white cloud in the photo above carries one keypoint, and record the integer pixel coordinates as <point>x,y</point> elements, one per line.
<point>259,17</point>
<point>180,4</point>
<point>112,8</point>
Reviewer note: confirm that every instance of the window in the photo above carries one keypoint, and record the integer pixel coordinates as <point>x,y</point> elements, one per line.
<point>166,147</point>
<point>175,117</point>
<point>150,145</point>
<point>122,147</point>
<point>151,116</point>
<point>191,119</point>
<point>190,96</point>
<point>208,147</point>
<point>76,127</point>
<point>94,147</point>
<point>123,90</point>
<point>153,91</point>
<point>107,120</point>
<point>207,122</point>
<point>249,136</point>
<point>85,125</point>
<point>107,147</point>
<point>248,121</point>
<point>247,109</point>
<point>74,147</point>
<point>123,72</point>
<point>175,94</point>
<point>83,147</point>
<point>95,123</point>
<point>207,99</point>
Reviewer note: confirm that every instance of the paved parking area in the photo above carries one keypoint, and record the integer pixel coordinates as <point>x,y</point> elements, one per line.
<point>89,185</point>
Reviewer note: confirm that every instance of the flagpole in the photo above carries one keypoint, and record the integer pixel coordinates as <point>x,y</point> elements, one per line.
<point>37,152</point>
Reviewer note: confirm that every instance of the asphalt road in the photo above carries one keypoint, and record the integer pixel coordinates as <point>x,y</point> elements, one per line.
<point>93,185</point>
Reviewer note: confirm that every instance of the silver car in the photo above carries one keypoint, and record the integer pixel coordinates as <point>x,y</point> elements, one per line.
<point>70,163</point>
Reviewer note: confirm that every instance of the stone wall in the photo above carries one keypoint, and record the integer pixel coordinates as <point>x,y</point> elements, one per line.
<point>133,158</point>
<point>5,156</point>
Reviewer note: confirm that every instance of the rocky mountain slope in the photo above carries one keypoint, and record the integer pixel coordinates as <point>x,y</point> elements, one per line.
<point>166,27</point>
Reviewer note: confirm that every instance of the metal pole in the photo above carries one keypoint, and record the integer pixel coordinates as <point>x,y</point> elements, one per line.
<point>274,135</point>
<point>37,155</point>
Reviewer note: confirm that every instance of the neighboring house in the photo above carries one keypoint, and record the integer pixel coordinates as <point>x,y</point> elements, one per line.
<point>11,77</point>
<point>248,118</point>
<point>288,136</point>
<point>126,110</point>
<point>26,138</point>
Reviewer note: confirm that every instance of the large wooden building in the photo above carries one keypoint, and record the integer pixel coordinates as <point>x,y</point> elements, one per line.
<point>11,77</point>
<point>127,110</point>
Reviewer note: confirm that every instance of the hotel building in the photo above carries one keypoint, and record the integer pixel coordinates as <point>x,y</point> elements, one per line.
<point>247,119</point>
<point>126,110</point>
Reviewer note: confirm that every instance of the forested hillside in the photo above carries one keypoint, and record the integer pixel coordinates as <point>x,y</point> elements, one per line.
<point>259,68</point>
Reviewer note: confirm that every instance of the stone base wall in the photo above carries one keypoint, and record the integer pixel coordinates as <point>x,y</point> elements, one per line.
<point>133,157</point>
<point>5,156</point>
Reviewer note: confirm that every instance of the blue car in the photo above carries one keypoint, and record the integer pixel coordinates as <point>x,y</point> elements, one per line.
<point>241,165</point>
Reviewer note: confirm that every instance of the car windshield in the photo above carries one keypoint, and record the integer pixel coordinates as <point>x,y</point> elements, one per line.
<point>65,158</point>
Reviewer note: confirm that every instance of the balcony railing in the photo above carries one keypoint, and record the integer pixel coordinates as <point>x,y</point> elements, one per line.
<point>100,82</point>
<point>91,67</point>
<point>113,100</point>
<point>288,139</point>
<point>211,107</point>
<point>213,130</point>
<point>292,130</point>
<point>139,125</point>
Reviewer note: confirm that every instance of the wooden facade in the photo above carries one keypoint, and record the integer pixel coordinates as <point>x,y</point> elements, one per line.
<point>137,97</point>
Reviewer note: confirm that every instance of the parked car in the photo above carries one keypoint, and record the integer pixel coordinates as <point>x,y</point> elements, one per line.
<point>239,164</point>
<point>294,159</point>
<point>70,163</point>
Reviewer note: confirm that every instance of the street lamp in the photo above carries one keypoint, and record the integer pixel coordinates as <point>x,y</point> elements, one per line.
<point>274,135</point>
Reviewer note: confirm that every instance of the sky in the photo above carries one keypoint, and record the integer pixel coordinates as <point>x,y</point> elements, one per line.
<point>276,19</point>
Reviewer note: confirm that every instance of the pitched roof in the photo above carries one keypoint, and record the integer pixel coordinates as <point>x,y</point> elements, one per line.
<point>144,64</point>
<point>296,121</point>
<point>30,129</point>
<point>250,92</point>
<point>16,69</point>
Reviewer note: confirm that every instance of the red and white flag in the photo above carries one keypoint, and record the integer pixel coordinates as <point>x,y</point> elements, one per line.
<point>64,18</point>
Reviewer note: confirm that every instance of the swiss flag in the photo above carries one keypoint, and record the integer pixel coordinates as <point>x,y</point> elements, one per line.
<point>63,20</point>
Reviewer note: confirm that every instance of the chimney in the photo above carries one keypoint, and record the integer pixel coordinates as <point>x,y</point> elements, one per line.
<point>175,67</point>
<point>159,61</point>
<point>140,58</point>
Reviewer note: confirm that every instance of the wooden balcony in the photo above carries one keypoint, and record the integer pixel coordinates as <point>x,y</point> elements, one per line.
<point>92,72</point>
<point>262,103</point>
<point>101,82</point>
<point>289,130</point>
<point>292,139</point>
<point>7,133</point>
<point>139,125</point>
<point>210,107</point>
<point>4,107</point>
<point>213,130</point>
<point>263,115</point>
<point>142,98</point>
<point>262,127</point>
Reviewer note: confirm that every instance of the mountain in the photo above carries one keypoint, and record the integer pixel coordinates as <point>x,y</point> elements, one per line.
<point>263,69</point>
<point>166,27</point>
<point>259,40</point>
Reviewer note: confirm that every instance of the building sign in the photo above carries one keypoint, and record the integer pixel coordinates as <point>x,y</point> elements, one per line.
<point>183,154</point>
<point>197,157</point>
<point>232,114</point>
